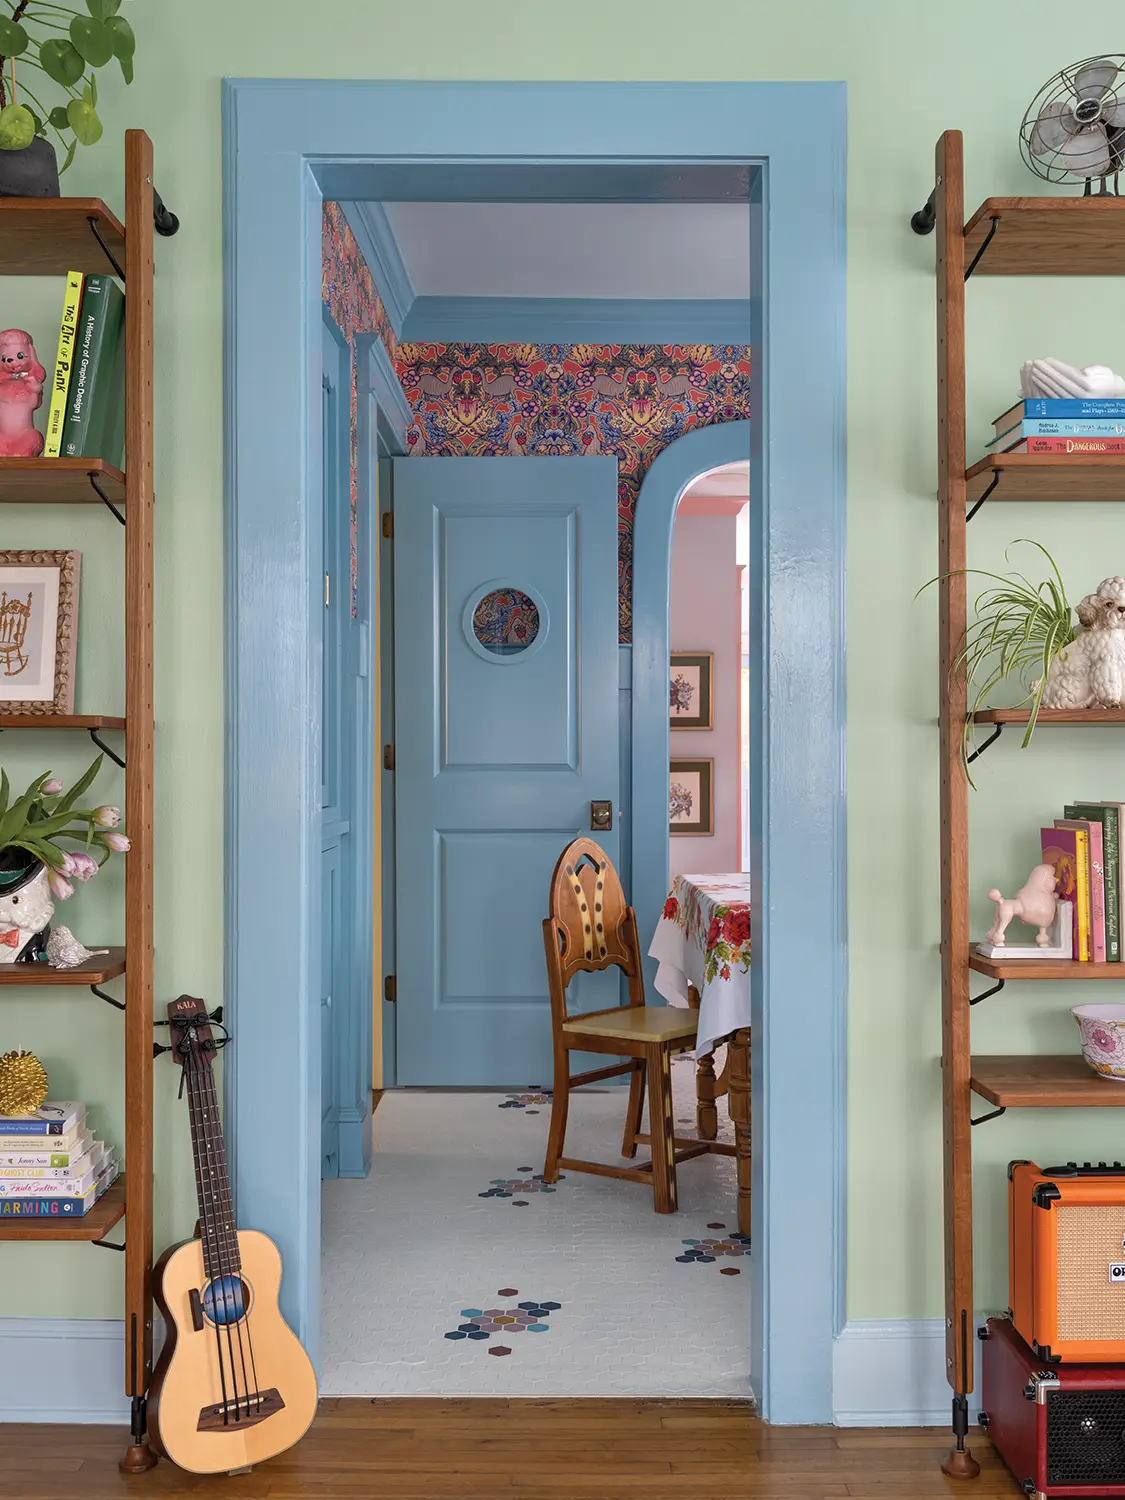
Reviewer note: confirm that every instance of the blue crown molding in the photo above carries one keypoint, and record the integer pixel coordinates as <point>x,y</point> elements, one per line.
<point>383,383</point>
<point>377,243</point>
<point>577,320</point>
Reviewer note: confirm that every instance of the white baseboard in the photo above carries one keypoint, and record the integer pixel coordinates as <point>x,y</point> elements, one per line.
<point>890,1372</point>
<point>62,1370</point>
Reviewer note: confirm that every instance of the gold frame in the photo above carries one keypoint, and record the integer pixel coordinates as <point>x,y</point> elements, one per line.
<point>66,638</point>
<point>705,661</point>
<point>705,765</point>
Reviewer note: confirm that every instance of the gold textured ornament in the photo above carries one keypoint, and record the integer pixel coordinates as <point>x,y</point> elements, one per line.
<point>23,1083</point>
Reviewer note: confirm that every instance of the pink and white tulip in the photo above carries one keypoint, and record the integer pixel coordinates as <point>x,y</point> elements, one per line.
<point>85,866</point>
<point>117,842</point>
<point>106,817</point>
<point>52,788</point>
<point>61,888</point>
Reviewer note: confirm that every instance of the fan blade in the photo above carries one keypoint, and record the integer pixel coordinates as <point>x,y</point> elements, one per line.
<point>1087,154</point>
<point>1113,114</point>
<point>1092,81</point>
<point>1050,133</point>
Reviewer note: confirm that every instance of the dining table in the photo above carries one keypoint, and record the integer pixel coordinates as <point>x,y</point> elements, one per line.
<point>702,948</point>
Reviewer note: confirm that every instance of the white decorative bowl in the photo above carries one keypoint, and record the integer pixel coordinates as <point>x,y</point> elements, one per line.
<point>1103,1038</point>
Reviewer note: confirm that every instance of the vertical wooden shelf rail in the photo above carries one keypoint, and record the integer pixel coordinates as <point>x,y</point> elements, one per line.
<point>139,777</point>
<point>954,801</point>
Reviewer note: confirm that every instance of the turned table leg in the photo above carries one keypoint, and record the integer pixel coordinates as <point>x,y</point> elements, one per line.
<point>706,1114</point>
<point>738,1100</point>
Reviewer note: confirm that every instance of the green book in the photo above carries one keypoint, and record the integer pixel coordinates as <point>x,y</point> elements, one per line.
<point>1108,815</point>
<point>95,404</point>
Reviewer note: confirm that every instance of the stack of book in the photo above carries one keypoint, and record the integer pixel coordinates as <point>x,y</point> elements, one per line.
<point>1084,846</point>
<point>51,1165</point>
<point>86,415</point>
<point>1045,425</point>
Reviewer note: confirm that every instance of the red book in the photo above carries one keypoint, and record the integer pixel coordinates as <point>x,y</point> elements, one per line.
<point>1096,866</point>
<point>1069,445</point>
<point>1062,849</point>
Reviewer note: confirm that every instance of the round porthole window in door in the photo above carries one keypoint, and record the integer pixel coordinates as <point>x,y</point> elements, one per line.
<point>504,622</point>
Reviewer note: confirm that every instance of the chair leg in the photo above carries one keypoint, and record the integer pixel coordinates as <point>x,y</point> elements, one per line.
<point>560,1101</point>
<point>635,1111</point>
<point>661,1129</point>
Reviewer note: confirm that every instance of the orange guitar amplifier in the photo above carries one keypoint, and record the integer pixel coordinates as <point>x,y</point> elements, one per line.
<point>1066,1260</point>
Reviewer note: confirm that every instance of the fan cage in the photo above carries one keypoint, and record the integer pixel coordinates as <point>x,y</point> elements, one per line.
<point>1062,89</point>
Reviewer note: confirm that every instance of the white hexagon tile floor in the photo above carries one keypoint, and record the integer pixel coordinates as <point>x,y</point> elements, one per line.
<point>453,1270</point>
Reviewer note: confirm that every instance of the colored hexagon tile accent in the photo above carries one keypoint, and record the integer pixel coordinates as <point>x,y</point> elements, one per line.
<point>499,1349</point>
<point>529,1316</point>
<point>716,1226</point>
<point>708,1251</point>
<point>505,1291</point>
<point>504,1187</point>
<point>521,1101</point>
<point>729,1271</point>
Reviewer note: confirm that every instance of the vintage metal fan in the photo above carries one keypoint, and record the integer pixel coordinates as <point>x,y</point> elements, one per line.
<point>1074,130</point>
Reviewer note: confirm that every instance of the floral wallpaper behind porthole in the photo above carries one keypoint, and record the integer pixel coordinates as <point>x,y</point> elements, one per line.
<point>483,400</point>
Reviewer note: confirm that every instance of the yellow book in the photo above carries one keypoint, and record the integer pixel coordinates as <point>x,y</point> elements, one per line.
<point>1082,892</point>
<point>60,382</point>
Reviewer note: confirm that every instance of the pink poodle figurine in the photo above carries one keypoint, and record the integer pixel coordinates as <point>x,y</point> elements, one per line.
<point>21,395</point>
<point>1035,904</point>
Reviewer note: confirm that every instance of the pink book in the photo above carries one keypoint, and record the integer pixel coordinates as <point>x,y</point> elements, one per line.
<point>1097,882</point>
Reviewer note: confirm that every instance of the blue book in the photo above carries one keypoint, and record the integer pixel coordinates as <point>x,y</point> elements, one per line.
<point>1053,427</point>
<point>48,1119</point>
<point>1109,408</point>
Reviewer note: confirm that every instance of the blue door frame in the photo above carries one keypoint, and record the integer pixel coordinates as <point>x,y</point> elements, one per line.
<point>288,143</point>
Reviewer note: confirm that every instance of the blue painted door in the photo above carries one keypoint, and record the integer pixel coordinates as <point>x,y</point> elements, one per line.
<point>506,728</point>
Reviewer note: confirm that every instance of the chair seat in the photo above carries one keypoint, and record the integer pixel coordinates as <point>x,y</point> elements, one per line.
<point>654,1023</point>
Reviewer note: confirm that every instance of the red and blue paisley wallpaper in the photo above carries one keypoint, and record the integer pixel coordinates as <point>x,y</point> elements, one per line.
<point>628,400</point>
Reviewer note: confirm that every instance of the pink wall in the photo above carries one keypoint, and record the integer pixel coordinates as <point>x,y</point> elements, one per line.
<point>706,608</point>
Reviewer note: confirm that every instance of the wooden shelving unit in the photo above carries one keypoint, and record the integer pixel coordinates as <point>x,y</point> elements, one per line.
<point>1006,236</point>
<point>44,237</point>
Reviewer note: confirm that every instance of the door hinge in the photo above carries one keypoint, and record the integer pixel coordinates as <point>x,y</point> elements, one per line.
<point>388,757</point>
<point>390,989</point>
<point>388,524</point>
<point>327,590</point>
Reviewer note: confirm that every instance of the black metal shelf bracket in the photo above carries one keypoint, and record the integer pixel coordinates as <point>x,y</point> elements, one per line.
<point>106,749</point>
<point>992,483</point>
<point>165,222</point>
<point>997,731</point>
<point>923,221</point>
<point>109,1000</point>
<point>993,1114</point>
<point>109,255</point>
<point>986,994</point>
<point>975,262</point>
<point>104,498</point>
<point>108,1245</point>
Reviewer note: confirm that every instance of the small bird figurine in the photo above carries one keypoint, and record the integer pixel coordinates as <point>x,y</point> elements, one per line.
<point>64,951</point>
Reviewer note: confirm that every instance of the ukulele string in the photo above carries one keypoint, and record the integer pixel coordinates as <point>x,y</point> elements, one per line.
<point>209,1228</point>
<point>226,1291</point>
<point>230,1235</point>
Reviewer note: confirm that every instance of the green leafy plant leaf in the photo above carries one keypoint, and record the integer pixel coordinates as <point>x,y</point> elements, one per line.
<point>124,45</point>
<point>93,39</point>
<point>17,127</point>
<point>102,10</point>
<point>62,61</point>
<point>70,150</point>
<point>14,40</point>
<point>58,117</point>
<point>84,122</point>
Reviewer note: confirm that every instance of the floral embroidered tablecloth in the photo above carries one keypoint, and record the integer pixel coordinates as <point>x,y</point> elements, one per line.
<point>703,939</point>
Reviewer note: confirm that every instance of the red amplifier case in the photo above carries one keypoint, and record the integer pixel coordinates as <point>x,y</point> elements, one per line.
<point>1059,1428</point>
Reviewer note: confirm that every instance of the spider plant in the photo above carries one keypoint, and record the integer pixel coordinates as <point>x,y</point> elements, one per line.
<point>1017,630</point>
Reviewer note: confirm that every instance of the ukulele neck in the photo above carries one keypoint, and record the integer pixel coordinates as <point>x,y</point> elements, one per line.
<point>216,1209</point>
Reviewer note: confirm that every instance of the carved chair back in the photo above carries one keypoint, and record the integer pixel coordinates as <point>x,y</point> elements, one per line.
<point>14,615</point>
<point>590,926</point>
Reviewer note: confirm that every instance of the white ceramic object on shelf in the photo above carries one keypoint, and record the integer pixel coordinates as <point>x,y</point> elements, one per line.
<point>1059,944</point>
<point>1090,672</point>
<point>1103,1038</point>
<point>1056,380</point>
<point>25,911</point>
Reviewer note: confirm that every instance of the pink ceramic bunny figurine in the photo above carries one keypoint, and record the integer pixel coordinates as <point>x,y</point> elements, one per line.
<point>21,395</point>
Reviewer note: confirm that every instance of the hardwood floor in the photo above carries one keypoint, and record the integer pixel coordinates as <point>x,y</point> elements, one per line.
<point>421,1449</point>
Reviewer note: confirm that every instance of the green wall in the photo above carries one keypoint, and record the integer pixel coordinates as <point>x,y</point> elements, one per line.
<point>912,70</point>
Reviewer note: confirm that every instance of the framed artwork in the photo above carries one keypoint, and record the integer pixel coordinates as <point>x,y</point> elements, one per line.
<point>38,632</point>
<point>691,690</point>
<point>691,802</point>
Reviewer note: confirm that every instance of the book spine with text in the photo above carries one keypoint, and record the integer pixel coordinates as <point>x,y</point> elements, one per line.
<point>1068,445</point>
<point>1095,882</point>
<point>60,381</point>
<point>1072,407</point>
<point>42,1154</point>
<point>1107,817</point>
<point>99,330</point>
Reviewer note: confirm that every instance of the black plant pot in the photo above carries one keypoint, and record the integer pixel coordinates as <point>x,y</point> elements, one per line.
<point>32,172</point>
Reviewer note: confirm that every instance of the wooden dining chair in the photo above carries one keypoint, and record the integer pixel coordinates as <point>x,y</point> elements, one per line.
<point>591,928</point>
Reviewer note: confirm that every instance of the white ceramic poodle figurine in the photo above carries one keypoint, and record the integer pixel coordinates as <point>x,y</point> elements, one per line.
<point>1055,378</point>
<point>1090,672</point>
<point>24,913</point>
<point>1035,904</point>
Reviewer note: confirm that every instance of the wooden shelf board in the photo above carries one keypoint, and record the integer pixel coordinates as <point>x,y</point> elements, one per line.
<point>1057,477</point>
<point>95,1225</point>
<point>51,236</point>
<point>1063,236</point>
<point>1051,716</point>
<point>1044,1083</point>
<point>58,481</point>
<point>1043,968</point>
<point>94,971</point>
<point>61,721</point>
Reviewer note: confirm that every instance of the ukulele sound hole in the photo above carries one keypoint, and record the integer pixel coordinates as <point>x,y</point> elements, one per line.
<point>225,1300</point>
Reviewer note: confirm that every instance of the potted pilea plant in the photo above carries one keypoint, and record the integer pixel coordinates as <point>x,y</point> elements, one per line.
<point>65,45</point>
<point>1017,630</point>
<point>36,867</point>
